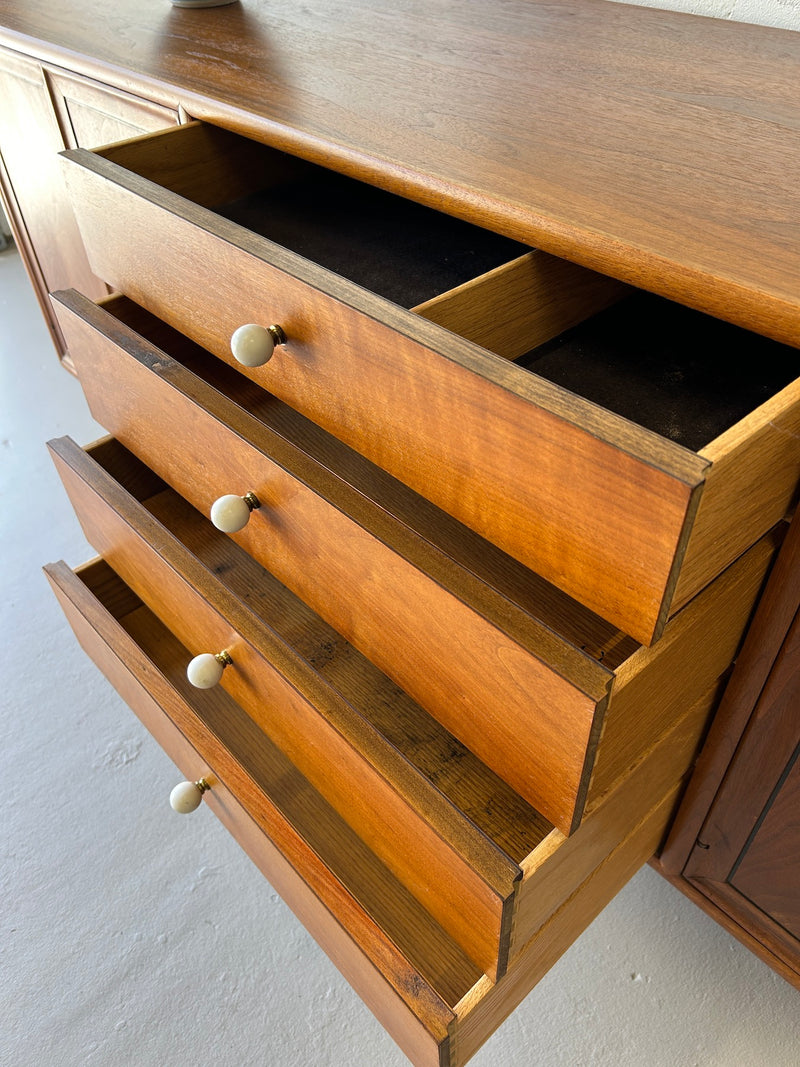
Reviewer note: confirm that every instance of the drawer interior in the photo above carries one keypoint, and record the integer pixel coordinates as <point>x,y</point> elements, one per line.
<point>478,283</point>
<point>601,494</point>
<point>683,374</point>
<point>401,250</point>
<point>392,246</point>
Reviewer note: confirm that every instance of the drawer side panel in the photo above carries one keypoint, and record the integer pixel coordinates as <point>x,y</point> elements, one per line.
<point>483,1011</point>
<point>752,484</point>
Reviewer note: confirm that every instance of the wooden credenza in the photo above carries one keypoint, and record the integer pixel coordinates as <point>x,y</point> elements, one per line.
<point>496,508</point>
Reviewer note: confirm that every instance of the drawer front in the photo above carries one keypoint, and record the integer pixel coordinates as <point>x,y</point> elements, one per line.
<point>195,735</point>
<point>596,505</point>
<point>530,706</point>
<point>466,882</point>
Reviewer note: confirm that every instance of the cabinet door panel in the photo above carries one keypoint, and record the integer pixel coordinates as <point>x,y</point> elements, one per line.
<point>42,112</point>
<point>769,872</point>
<point>91,115</point>
<point>42,217</point>
<point>747,855</point>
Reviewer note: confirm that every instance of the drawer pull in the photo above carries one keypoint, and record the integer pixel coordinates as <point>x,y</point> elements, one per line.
<point>205,670</point>
<point>186,796</point>
<point>231,513</point>
<point>252,345</point>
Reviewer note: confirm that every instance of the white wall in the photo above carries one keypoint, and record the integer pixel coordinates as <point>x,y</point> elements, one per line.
<point>784,13</point>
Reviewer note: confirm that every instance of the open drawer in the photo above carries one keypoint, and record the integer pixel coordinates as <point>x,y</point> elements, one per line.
<point>540,689</point>
<point>409,970</point>
<point>450,830</point>
<point>210,231</point>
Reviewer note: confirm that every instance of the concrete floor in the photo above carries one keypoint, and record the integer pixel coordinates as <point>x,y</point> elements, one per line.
<point>131,935</point>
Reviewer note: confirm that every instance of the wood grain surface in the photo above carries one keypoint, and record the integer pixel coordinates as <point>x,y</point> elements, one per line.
<point>769,874</point>
<point>557,868</point>
<point>90,114</point>
<point>621,138</point>
<point>429,997</point>
<point>744,859</point>
<point>482,1011</point>
<point>765,757</point>
<point>733,846</point>
<point>656,684</point>
<point>44,111</point>
<point>751,484</point>
<point>521,304</point>
<point>30,140</point>
<point>500,577</point>
<point>554,866</point>
<point>654,147</point>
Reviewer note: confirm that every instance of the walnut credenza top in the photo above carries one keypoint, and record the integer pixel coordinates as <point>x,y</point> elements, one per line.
<point>649,145</point>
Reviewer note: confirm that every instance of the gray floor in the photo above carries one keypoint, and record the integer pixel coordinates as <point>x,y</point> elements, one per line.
<point>131,935</point>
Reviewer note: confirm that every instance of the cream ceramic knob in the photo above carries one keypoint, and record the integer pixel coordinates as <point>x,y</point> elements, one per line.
<point>205,670</point>
<point>252,345</point>
<point>186,796</point>
<point>231,513</point>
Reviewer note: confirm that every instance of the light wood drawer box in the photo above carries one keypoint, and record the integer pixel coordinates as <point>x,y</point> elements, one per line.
<point>415,977</point>
<point>541,690</point>
<point>603,508</point>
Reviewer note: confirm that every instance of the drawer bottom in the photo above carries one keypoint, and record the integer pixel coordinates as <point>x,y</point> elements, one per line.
<point>430,997</point>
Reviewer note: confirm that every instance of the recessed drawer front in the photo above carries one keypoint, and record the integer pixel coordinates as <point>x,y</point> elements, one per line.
<point>597,506</point>
<point>408,969</point>
<point>525,700</point>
